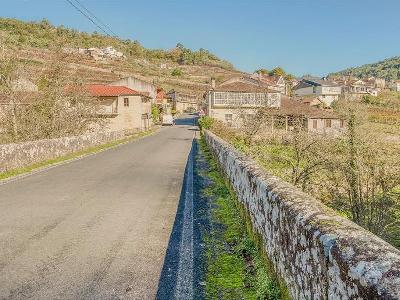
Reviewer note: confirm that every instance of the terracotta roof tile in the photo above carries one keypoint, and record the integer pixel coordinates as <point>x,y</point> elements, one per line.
<point>100,90</point>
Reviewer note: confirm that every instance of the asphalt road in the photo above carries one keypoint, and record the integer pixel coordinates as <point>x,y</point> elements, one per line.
<point>95,228</point>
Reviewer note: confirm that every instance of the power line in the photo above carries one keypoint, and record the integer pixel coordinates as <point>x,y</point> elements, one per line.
<point>94,16</point>
<point>88,17</point>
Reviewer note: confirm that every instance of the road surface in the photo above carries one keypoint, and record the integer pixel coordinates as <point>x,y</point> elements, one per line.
<point>95,228</point>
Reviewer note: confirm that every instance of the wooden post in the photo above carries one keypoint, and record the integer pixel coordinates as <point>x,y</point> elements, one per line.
<point>286,123</point>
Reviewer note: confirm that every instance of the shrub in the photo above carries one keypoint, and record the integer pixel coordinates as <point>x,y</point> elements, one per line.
<point>206,122</point>
<point>176,72</point>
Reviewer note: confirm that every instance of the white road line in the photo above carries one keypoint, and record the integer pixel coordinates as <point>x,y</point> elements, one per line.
<point>184,284</point>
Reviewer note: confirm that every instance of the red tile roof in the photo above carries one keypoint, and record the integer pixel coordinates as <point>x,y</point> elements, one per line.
<point>100,90</point>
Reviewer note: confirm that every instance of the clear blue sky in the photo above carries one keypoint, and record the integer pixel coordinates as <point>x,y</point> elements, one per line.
<point>302,36</point>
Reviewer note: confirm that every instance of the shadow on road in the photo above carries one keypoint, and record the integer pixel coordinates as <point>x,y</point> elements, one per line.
<point>186,120</point>
<point>172,278</point>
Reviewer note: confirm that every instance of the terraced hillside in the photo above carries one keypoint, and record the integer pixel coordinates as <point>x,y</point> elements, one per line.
<point>35,44</point>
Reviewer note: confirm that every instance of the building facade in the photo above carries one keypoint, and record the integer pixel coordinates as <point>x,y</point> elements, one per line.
<point>139,85</point>
<point>232,99</point>
<point>325,90</point>
<point>183,102</point>
<point>122,107</point>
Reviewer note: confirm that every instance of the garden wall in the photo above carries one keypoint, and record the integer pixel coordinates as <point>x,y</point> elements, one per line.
<point>319,254</point>
<point>19,155</point>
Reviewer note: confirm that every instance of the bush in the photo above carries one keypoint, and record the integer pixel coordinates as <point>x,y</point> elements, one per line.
<point>155,113</point>
<point>206,122</point>
<point>176,72</point>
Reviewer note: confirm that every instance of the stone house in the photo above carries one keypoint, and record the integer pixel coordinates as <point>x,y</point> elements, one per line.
<point>164,102</point>
<point>322,121</point>
<point>139,85</point>
<point>183,102</point>
<point>326,91</point>
<point>124,108</point>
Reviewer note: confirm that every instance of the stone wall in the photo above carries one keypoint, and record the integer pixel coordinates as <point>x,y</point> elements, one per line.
<point>19,155</point>
<point>319,254</point>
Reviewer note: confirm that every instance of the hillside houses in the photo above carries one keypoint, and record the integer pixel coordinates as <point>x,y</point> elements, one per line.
<point>97,53</point>
<point>324,90</point>
<point>238,99</point>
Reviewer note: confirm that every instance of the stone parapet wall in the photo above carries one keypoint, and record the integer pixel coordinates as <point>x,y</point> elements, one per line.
<point>319,254</point>
<point>13,156</point>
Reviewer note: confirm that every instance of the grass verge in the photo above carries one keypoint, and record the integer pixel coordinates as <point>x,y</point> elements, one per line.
<point>235,268</point>
<point>71,156</point>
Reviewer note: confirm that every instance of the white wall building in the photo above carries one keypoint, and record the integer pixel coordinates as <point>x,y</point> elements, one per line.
<point>325,90</point>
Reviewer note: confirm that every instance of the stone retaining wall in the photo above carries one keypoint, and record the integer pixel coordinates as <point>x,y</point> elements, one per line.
<point>319,254</point>
<point>19,155</point>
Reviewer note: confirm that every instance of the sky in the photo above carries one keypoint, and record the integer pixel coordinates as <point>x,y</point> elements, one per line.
<point>302,36</point>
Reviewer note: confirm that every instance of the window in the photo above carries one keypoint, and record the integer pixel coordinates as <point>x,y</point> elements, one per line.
<point>228,117</point>
<point>315,124</point>
<point>341,123</point>
<point>314,89</point>
<point>126,102</point>
<point>328,123</point>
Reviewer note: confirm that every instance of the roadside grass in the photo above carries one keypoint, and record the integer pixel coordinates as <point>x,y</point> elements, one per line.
<point>71,156</point>
<point>235,266</point>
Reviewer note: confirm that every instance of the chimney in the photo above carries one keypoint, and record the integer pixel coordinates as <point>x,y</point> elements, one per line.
<point>259,76</point>
<point>213,83</point>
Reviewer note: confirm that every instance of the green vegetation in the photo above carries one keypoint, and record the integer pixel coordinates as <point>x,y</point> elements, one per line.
<point>357,173</point>
<point>205,122</point>
<point>44,35</point>
<point>73,155</point>
<point>155,113</point>
<point>235,267</point>
<point>176,72</point>
<point>388,69</point>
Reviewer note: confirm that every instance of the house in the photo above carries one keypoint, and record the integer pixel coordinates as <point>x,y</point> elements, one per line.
<point>395,86</point>
<point>139,85</point>
<point>163,101</point>
<point>359,87</point>
<point>183,102</point>
<point>272,82</point>
<point>124,108</point>
<point>96,53</point>
<point>322,121</point>
<point>238,96</point>
<point>326,91</point>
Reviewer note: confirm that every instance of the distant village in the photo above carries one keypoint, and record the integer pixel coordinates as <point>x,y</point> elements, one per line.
<point>127,103</point>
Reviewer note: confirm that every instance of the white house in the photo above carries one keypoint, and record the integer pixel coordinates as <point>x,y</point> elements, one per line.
<point>326,91</point>
<point>238,96</point>
<point>395,86</point>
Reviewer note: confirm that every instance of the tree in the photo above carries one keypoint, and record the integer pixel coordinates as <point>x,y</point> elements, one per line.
<point>278,71</point>
<point>262,71</point>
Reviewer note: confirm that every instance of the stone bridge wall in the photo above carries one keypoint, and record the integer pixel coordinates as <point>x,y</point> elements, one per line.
<point>19,155</point>
<point>319,254</point>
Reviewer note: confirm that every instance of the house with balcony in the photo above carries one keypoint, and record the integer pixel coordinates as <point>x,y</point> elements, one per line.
<point>236,97</point>
<point>122,107</point>
<point>326,91</point>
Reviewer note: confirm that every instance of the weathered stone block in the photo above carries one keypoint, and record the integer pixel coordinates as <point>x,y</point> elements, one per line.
<point>319,254</point>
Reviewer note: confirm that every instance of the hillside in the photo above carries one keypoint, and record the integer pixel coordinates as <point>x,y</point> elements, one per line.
<point>388,69</point>
<point>36,42</point>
